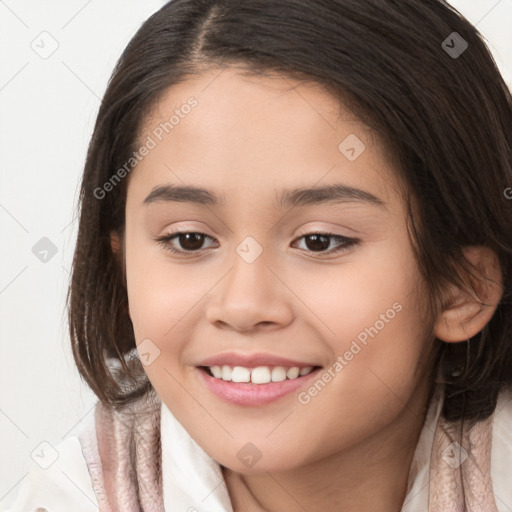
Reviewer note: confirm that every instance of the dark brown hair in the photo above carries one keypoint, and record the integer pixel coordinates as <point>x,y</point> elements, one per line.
<point>446,119</point>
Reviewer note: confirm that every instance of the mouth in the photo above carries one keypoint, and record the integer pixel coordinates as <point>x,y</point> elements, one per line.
<point>255,386</point>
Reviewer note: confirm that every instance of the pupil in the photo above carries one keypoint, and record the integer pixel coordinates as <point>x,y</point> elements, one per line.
<point>191,241</point>
<point>320,242</point>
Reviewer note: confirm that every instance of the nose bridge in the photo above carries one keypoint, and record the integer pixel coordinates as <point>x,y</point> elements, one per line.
<point>249,265</point>
<point>247,284</point>
<point>249,294</point>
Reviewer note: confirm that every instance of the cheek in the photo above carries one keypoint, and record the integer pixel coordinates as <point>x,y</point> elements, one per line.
<point>378,285</point>
<point>376,342</point>
<point>373,312</point>
<point>160,294</point>
<point>377,368</point>
<point>161,298</point>
<point>162,302</point>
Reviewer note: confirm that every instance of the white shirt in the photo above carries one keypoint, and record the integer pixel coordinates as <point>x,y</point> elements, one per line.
<point>193,481</point>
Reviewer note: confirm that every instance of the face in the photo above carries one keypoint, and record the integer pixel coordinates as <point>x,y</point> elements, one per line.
<point>293,258</point>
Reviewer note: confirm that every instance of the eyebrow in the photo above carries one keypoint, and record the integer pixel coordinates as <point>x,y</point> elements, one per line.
<point>287,199</point>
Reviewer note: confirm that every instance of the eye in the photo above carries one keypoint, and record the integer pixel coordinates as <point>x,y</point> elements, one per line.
<point>321,242</point>
<point>189,241</point>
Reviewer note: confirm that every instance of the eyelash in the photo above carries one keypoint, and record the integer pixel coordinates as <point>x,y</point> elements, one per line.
<point>347,243</point>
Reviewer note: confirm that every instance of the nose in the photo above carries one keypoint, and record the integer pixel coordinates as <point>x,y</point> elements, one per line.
<point>250,297</point>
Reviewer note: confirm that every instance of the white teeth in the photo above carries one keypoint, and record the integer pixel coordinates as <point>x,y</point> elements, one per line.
<point>292,373</point>
<point>226,373</point>
<point>278,374</point>
<point>258,375</point>
<point>217,371</point>
<point>305,370</point>
<point>241,374</point>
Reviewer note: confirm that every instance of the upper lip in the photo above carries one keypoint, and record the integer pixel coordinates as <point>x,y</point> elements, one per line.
<point>252,360</point>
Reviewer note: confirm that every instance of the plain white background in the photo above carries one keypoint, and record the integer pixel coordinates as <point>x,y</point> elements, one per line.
<point>48,105</point>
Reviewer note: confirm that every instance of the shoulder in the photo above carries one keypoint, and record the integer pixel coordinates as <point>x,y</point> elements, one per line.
<point>58,481</point>
<point>501,457</point>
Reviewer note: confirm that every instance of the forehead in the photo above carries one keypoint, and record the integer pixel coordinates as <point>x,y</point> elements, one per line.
<point>245,132</point>
<point>222,89</point>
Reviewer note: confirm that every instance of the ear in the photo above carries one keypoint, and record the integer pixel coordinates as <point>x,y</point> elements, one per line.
<point>465,314</point>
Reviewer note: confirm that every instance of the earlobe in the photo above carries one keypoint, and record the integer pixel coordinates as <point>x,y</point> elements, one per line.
<point>465,314</point>
<point>114,242</point>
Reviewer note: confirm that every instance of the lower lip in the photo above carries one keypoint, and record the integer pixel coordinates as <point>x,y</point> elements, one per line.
<point>246,393</point>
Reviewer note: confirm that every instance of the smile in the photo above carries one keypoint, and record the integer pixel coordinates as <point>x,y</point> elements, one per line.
<point>244,386</point>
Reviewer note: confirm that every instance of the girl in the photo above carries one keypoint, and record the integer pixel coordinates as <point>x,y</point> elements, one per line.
<point>292,282</point>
